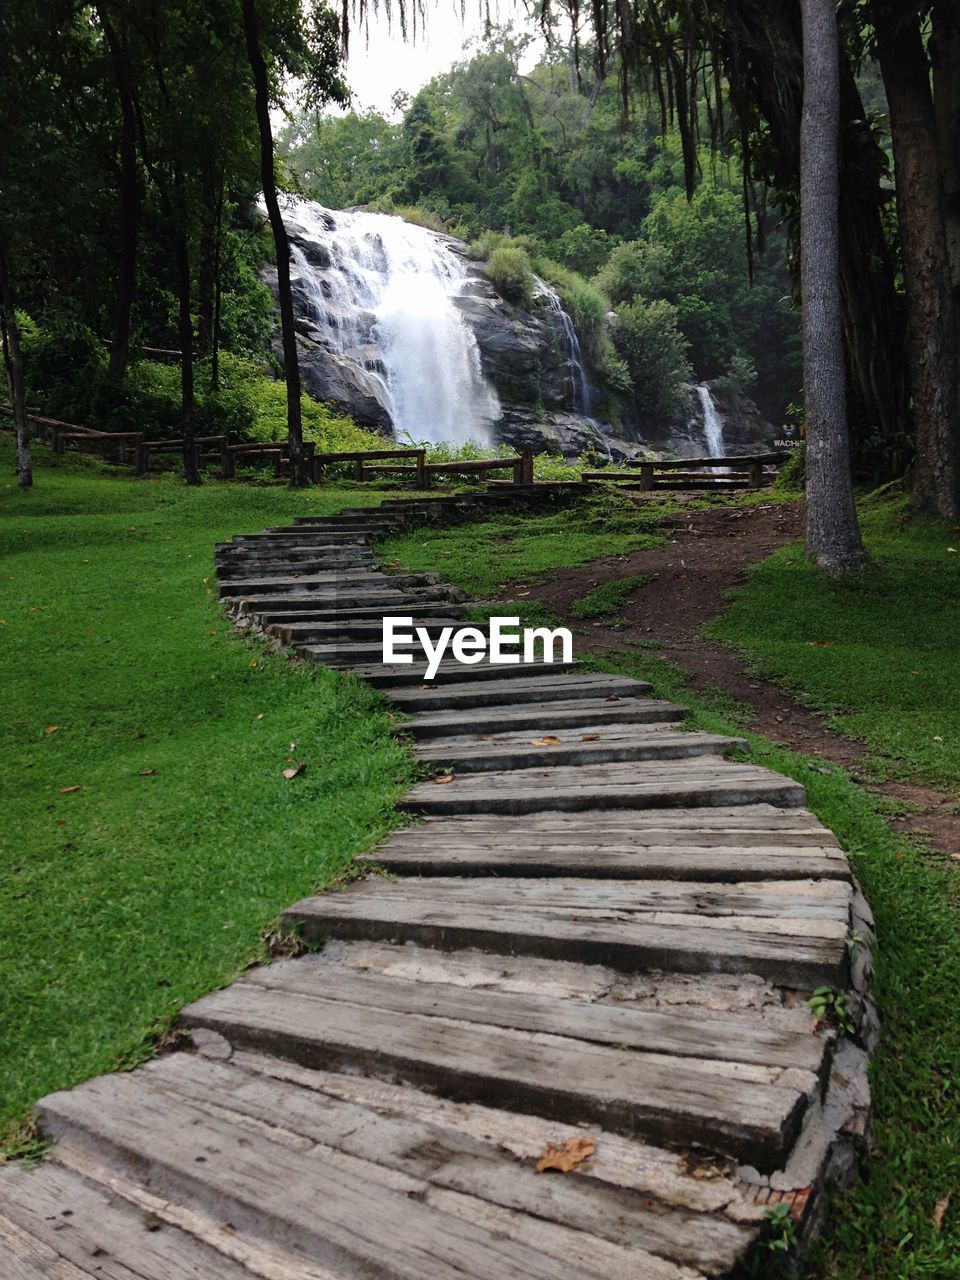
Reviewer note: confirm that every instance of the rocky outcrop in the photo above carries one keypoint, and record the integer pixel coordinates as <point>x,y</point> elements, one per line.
<point>560,434</point>
<point>745,430</point>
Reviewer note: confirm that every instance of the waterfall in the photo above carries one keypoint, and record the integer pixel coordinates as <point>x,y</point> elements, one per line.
<point>584,393</point>
<point>712,422</point>
<point>382,294</point>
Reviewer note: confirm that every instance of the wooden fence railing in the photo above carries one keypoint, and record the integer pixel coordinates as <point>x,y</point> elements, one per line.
<point>749,471</point>
<point>133,450</point>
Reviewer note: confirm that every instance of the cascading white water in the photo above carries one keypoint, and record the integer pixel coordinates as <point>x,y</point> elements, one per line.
<point>385,300</point>
<point>712,422</point>
<point>584,392</point>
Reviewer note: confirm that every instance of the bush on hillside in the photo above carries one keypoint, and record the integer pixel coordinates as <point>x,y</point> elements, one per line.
<point>653,349</point>
<point>509,270</point>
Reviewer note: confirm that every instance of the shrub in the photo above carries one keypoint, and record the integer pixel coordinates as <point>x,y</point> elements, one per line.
<point>508,268</point>
<point>650,344</point>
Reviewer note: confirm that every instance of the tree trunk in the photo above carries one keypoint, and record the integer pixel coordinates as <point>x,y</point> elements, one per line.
<point>291,365</point>
<point>129,187</point>
<point>13,361</point>
<point>185,331</point>
<point>833,535</point>
<point>932,328</point>
<point>945,55</point>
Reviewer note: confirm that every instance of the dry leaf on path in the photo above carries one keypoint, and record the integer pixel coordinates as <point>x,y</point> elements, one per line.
<point>444,777</point>
<point>567,1157</point>
<point>940,1212</point>
<point>52,728</point>
<point>547,741</point>
<point>66,791</point>
<point>146,773</point>
<point>589,737</point>
<point>294,770</point>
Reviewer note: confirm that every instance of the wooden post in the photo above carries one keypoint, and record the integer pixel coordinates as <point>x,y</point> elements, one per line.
<point>646,475</point>
<point>358,473</point>
<point>309,449</point>
<point>526,468</point>
<point>229,462</point>
<point>756,475</point>
<point>423,479</point>
<point>143,459</point>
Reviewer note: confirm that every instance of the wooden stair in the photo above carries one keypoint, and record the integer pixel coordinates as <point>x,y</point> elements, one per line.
<point>598,927</point>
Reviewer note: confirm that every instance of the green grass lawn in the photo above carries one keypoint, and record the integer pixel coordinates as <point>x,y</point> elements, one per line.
<point>152,882</point>
<point>487,556</point>
<point>880,653</point>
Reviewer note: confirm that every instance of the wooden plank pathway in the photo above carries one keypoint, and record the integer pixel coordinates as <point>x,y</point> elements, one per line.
<point>601,930</point>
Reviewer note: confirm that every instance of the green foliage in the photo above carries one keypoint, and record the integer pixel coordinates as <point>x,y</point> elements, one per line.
<point>67,375</point>
<point>509,271</point>
<point>648,340</point>
<point>831,1005</point>
<point>111,632</point>
<point>586,305</point>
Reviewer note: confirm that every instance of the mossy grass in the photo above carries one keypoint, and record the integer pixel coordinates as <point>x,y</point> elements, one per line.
<point>877,653</point>
<point>607,598</point>
<point>153,882</point>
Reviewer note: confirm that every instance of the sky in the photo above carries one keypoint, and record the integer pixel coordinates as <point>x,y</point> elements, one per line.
<point>380,62</point>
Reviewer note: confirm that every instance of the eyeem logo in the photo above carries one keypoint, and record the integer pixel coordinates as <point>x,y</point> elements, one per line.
<point>505,644</point>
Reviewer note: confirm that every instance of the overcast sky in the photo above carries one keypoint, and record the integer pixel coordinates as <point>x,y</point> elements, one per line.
<point>381,63</point>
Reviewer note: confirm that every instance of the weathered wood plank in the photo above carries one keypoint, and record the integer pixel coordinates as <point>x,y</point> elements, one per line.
<point>702,781</point>
<point>527,688</point>
<point>669,1099</point>
<point>729,1039</point>
<point>86,1227</point>
<point>455,1161</point>
<point>473,756</point>
<point>548,717</point>
<point>416,852</point>
<point>801,961</point>
<point>325,1208</point>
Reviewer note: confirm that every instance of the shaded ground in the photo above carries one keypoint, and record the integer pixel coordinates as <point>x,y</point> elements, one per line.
<point>686,584</point>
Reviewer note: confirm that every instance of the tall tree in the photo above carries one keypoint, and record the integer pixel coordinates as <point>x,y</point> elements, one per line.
<point>933,324</point>
<point>306,41</point>
<point>833,535</point>
<point>268,180</point>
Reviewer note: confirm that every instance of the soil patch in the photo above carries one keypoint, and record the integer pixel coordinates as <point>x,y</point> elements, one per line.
<point>686,582</point>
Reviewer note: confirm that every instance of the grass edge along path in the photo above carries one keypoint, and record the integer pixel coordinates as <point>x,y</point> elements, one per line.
<point>149,835</point>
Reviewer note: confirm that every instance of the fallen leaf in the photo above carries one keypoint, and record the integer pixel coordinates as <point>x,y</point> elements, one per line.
<point>612,697</point>
<point>937,737</point>
<point>52,728</point>
<point>567,1157</point>
<point>444,777</point>
<point>146,773</point>
<point>589,737</point>
<point>66,791</point>
<point>252,662</point>
<point>940,1212</point>
<point>294,770</point>
<point>548,741</point>
<point>260,716</point>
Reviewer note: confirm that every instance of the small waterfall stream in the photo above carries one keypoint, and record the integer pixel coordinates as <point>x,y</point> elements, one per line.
<point>712,422</point>
<point>384,299</point>
<point>584,392</point>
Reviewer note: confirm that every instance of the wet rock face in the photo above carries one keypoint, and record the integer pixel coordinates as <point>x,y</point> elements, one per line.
<point>524,354</point>
<point>559,434</point>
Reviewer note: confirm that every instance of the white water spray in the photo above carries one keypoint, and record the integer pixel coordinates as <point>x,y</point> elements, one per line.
<point>584,392</point>
<point>385,300</point>
<point>712,422</point>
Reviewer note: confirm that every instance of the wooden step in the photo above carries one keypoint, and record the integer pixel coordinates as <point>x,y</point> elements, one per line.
<point>352,1215</point>
<point>577,920</point>
<point>397,676</point>
<point>339,597</point>
<point>452,846</point>
<point>305,583</point>
<point>597,744</point>
<point>703,781</point>
<point>547,717</point>
<point>372,614</point>
<point>350,628</point>
<point>750,1113</point>
<point>524,688</point>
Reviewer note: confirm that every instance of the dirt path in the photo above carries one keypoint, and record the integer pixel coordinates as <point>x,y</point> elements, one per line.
<point>688,579</point>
